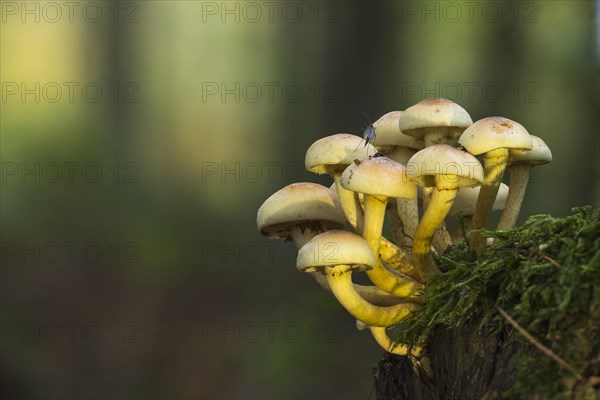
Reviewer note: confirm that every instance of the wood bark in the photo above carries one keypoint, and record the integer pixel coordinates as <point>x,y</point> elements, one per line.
<point>465,364</point>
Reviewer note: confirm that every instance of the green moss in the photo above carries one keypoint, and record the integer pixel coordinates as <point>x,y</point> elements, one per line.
<point>546,275</point>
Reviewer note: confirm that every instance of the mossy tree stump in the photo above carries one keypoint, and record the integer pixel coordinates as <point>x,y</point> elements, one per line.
<point>545,275</point>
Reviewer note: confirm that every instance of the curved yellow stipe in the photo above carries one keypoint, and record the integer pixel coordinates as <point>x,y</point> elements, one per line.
<point>343,289</point>
<point>382,338</point>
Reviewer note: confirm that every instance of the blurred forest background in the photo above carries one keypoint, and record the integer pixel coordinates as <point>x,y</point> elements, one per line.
<point>138,140</point>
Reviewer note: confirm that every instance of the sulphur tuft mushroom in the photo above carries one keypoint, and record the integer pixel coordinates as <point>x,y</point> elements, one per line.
<point>391,141</point>
<point>366,182</point>
<point>331,155</point>
<point>300,211</point>
<point>435,121</point>
<point>379,179</point>
<point>492,137</point>
<point>444,169</point>
<point>400,148</point>
<point>337,254</point>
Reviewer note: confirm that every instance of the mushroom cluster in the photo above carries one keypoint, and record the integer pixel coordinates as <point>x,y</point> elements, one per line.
<point>422,170</point>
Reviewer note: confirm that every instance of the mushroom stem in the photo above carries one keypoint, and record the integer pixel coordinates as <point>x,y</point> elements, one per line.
<point>408,213</point>
<point>381,277</point>
<point>426,198</point>
<point>381,337</point>
<point>402,154</point>
<point>397,259</point>
<point>378,297</point>
<point>396,224</point>
<point>374,216</point>
<point>349,203</point>
<point>341,285</point>
<point>494,166</point>
<point>389,252</point>
<point>441,201</point>
<point>519,178</point>
<point>436,135</point>
<point>433,135</point>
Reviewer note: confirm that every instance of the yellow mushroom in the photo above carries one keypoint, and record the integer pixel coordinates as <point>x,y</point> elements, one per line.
<point>301,211</point>
<point>492,137</point>
<point>331,155</point>
<point>379,179</point>
<point>400,148</point>
<point>337,254</point>
<point>435,121</point>
<point>382,338</point>
<point>444,169</point>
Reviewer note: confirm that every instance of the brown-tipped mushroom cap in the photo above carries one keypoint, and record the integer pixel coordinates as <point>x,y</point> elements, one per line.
<point>434,113</point>
<point>460,167</point>
<point>494,133</point>
<point>466,199</point>
<point>295,204</point>
<point>344,251</point>
<point>539,154</point>
<point>335,153</point>
<point>387,133</point>
<point>379,176</point>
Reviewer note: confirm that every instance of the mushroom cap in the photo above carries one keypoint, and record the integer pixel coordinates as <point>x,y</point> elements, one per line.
<point>297,204</point>
<point>344,251</point>
<point>388,133</point>
<point>379,176</point>
<point>445,166</point>
<point>494,133</point>
<point>336,152</point>
<point>433,113</point>
<point>539,154</point>
<point>466,199</point>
